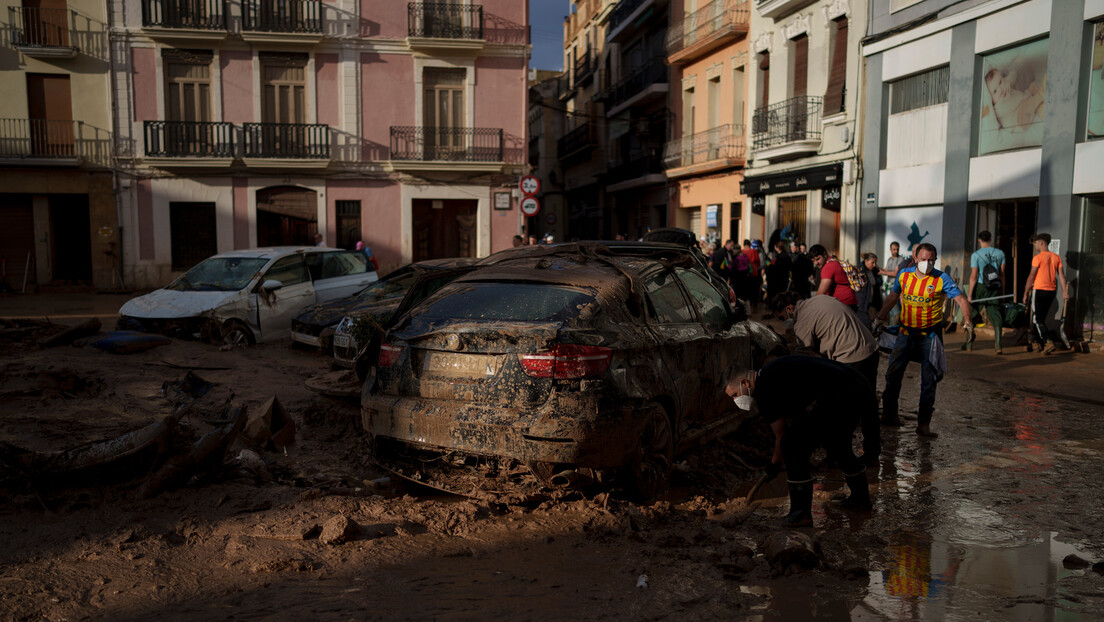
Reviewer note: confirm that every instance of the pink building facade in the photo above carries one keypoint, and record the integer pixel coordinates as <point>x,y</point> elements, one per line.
<point>260,123</point>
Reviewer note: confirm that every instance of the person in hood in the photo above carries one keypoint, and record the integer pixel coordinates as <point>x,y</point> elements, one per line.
<point>922,291</point>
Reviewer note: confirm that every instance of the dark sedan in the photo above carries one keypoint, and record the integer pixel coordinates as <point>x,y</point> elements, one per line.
<point>315,326</point>
<point>560,365</point>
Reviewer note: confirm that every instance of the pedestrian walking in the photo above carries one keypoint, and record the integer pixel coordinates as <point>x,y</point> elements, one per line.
<point>833,278</point>
<point>809,402</point>
<point>922,291</point>
<point>987,281</point>
<point>753,284</point>
<point>1046,269</point>
<point>823,326</point>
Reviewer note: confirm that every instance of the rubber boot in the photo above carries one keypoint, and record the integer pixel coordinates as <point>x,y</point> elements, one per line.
<point>801,505</point>
<point>890,419</point>
<point>859,499</point>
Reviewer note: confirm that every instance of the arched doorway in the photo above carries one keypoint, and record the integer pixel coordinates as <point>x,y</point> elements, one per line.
<point>286,216</point>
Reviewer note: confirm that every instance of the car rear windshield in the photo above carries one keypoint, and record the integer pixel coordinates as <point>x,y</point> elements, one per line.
<point>219,274</point>
<point>392,286</point>
<point>505,302</point>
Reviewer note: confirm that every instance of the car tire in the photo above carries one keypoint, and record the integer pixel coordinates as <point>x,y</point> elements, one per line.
<point>235,333</point>
<point>649,473</point>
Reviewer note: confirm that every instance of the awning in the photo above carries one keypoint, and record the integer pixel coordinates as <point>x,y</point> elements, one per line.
<point>790,181</point>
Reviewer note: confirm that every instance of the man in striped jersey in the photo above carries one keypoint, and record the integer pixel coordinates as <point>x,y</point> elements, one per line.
<point>922,291</point>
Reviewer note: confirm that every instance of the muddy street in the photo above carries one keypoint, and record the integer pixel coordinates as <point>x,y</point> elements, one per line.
<point>999,517</point>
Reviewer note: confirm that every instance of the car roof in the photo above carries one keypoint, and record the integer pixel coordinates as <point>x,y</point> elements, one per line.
<point>272,252</point>
<point>582,264</point>
<point>598,248</point>
<point>450,262</point>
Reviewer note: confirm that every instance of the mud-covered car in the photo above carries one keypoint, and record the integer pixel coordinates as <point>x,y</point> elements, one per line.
<point>314,327</point>
<point>558,366</point>
<point>248,296</point>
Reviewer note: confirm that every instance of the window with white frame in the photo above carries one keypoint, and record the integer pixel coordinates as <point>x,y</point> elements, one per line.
<point>916,131</point>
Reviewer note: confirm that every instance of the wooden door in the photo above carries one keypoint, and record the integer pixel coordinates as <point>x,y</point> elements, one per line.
<point>46,22</point>
<point>448,230</point>
<point>51,115</point>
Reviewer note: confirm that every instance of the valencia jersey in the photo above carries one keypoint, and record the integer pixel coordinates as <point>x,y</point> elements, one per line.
<point>923,296</point>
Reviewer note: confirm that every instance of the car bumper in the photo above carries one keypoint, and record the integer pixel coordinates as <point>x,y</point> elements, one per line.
<point>598,439</point>
<point>305,339</point>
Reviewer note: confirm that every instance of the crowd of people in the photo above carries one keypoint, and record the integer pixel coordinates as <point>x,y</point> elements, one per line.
<point>839,323</point>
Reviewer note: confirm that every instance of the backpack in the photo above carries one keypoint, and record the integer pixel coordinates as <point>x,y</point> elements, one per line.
<point>855,278</point>
<point>990,277</point>
<point>743,264</point>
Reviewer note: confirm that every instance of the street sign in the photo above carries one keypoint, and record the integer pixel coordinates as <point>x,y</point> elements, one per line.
<point>529,185</point>
<point>530,206</point>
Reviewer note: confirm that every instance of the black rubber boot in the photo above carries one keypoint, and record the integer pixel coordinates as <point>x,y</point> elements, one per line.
<point>801,505</point>
<point>859,499</point>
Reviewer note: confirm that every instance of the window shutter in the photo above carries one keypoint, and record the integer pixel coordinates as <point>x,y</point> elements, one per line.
<point>801,66</point>
<point>764,66</point>
<point>837,73</point>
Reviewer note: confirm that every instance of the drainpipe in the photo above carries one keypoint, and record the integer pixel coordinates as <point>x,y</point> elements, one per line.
<point>113,96</point>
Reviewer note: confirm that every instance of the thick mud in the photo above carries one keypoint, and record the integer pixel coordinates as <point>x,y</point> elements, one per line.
<point>998,518</point>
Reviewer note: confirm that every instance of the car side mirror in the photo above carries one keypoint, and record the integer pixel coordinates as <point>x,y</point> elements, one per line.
<point>271,285</point>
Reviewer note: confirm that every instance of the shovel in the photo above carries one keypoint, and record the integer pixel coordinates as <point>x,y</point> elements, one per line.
<point>763,479</point>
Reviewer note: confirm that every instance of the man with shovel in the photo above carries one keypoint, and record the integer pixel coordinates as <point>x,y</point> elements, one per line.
<point>810,402</point>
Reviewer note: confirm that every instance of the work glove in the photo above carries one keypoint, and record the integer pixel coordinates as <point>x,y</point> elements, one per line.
<point>876,327</point>
<point>971,334</point>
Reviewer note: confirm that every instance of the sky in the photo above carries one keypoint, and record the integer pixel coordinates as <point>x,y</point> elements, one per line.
<point>546,24</point>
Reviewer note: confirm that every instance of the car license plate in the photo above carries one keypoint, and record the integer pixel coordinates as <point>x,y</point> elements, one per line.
<point>341,341</point>
<point>474,366</point>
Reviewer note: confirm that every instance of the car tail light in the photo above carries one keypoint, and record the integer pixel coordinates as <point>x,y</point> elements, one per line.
<point>389,354</point>
<point>567,361</point>
<point>732,296</point>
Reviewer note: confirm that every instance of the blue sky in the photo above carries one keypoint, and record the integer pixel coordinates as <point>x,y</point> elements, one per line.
<point>546,24</point>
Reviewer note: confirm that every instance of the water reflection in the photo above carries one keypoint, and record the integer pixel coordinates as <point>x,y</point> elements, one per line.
<point>932,579</point>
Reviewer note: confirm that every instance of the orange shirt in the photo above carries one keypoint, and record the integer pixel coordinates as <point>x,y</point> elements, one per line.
<point>1048,264</point>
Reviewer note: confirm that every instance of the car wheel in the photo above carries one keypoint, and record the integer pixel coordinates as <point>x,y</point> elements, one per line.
<point>650,472</point>
<point>236,334</point>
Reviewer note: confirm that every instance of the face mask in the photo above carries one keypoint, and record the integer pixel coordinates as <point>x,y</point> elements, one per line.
<point>923,267</point>
<point>789,324</point>
<point>746,403</point>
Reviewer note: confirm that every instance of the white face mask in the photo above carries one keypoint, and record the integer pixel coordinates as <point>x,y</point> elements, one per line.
<point>788,323</point>
<point>746,403</point>
<point>923,267</point>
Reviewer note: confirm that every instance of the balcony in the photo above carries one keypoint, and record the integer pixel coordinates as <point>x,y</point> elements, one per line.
<point>286,141</point>
<point>628,16</point>
<point>707,29</point>
<point>644,83</point>
<point>185,19</point>
<point>287,19</point>
<point>447,148</point>
<point>576,142</point>
<point>584,70</point>
<point>787,129</point>
<point>45,142</point>
<point>779,8</point>
<point>563,86</point>
<point>42,32</point>
<point>190,140</point>
<point>443,20</point>
<point>643,168</point>
<point>718,148</point>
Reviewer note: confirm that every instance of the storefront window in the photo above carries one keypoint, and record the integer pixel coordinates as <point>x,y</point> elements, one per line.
<point>1096,84</point>
<point>1013,91</point>
<point>1088,288</point>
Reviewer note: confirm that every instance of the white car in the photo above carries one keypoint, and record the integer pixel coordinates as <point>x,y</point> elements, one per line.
<point>248,296</point>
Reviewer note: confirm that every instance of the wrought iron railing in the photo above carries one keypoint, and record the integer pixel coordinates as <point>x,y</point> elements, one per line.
<point>38,138</point>
<point>725,142</point>
<point>652,72</point>
<point>584,69</point>
<point>173,139</point>
<point>563,85</point>
<point>624,9</point>
<point>40,27</point>
<point>452,144</point>
<point>793,120</point>
<point>717,16</point>
<point>191,14</point>
<point>444,20</point>
<point>296,16</point>
<point>286,140</point>
<point>573,141</point>
<point>639,164</point>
